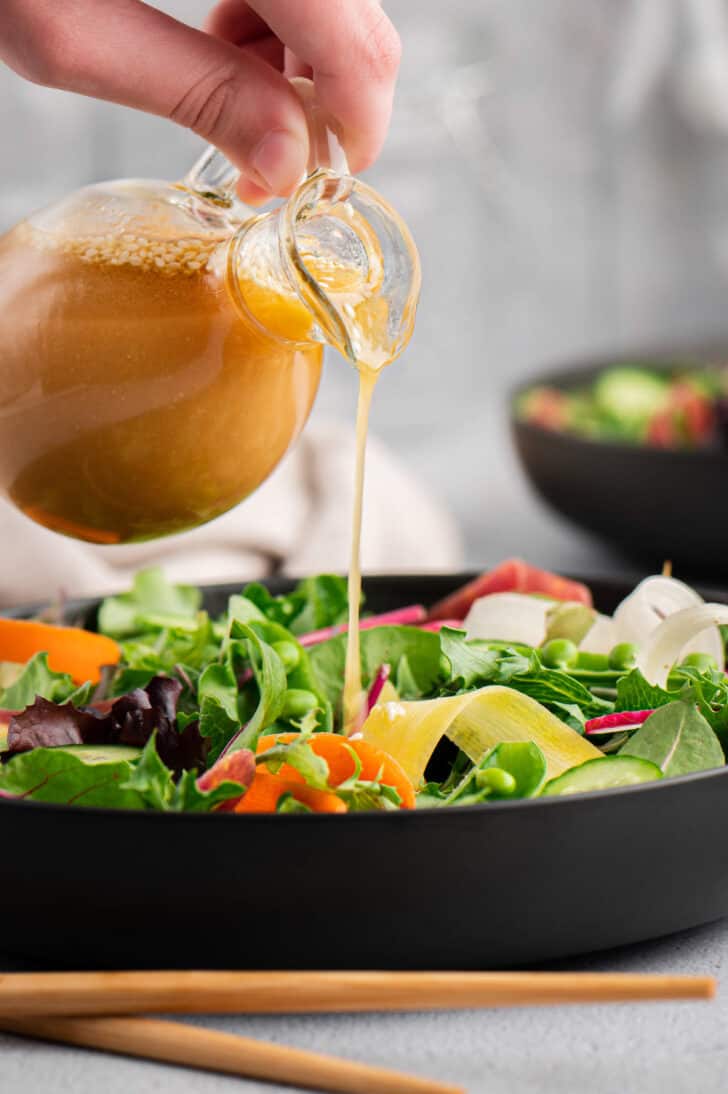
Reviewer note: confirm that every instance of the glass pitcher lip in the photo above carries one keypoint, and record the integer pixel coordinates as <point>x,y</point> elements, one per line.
<point>307,287</point>
<point>326,185</point>
<point>332,223</point>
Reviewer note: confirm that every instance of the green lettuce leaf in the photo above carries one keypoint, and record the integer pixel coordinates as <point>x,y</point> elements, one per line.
<point>316,602</point>
<point>678,739</point>
<point>152,780</point>
<point>270,677</point>
<point>37,679</point>
<point>62,775</point>
<point>220,717</point>
<point>635,693</point>
<point>379,646</point>
<point>151,595</point>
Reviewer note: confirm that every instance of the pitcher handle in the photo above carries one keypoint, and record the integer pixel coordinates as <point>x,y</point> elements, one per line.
<point>215,177</point>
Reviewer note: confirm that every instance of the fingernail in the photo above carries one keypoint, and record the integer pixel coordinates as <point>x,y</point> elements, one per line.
<point>280,160</point>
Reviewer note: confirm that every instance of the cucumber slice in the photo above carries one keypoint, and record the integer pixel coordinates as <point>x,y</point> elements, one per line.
<point>631,395</point>
<point>602,774</point>
<point>102,754</point>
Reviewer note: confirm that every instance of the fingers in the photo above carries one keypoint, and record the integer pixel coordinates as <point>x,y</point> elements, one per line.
<point>349,46</point>
<point>129,53</point>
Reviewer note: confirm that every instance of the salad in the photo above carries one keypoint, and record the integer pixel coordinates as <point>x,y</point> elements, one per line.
<point>513,687</point>
<point>679,407</point>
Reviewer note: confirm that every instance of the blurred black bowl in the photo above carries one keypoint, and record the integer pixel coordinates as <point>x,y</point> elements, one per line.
<point>653,504</point>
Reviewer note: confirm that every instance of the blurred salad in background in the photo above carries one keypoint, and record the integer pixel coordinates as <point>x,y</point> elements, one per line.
<point>672,407</point>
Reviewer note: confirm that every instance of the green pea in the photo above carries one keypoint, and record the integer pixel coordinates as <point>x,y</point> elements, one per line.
<point>497,780</point>
<point>297,702</point>
<point>559,653</point>
<point>700,661</point>
<point>289,653</point>
<point>623,656</point>
<point>592,662</point>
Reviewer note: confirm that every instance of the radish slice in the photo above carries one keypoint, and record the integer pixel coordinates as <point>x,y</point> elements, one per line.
<point>676,634</point>
<point>377,685</point>
<point>654,600</point>
<point>401,617</point>
<point>610,723</point>
<point>509,617</point>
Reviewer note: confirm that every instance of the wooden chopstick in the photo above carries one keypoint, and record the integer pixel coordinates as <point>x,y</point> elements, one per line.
<point>86,993</point>
<point>211,1050</point>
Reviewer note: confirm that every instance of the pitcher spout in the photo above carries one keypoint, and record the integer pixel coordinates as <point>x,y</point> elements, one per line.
<point>346,256</point>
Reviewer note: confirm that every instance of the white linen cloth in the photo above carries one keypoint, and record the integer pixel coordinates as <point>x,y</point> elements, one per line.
<point>299,522</point>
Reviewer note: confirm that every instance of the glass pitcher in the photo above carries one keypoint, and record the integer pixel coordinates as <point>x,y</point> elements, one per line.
<point>161,344</point>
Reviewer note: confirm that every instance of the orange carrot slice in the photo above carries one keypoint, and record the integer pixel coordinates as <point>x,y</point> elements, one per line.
<point>79,653</point>
<point>263,795</point>
<point>376,764</point>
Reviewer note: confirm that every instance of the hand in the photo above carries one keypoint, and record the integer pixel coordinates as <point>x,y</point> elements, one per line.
<point>227,83</point>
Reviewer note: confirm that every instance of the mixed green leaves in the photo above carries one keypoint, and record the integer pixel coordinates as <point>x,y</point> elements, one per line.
<point>513,769</point>
<point>315,603</point>
<point>35,680</point>
<point>193,689</point>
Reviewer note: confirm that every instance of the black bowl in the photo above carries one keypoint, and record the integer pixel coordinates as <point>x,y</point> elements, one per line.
<point>490,886</point>
<point>653,504</point>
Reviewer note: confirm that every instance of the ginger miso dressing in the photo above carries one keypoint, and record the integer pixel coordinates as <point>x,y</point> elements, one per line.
<point>356,291</point>
<point>354,697</point>
<point>368,317</point>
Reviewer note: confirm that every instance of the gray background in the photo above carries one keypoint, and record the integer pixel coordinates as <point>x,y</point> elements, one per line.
<point>548,228</point>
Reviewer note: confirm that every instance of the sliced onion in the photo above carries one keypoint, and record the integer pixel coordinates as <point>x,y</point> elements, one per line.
<point>601,637</point>
<point>509,617</point>
<point>654,600</point>
<point>675,635</point>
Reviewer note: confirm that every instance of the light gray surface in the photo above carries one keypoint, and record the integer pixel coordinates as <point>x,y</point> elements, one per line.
<point>656,1048</point>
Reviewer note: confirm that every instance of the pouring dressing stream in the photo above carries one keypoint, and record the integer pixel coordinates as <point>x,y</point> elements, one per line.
<point>161,345</point>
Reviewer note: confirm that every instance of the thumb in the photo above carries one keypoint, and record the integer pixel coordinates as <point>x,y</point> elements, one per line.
<point>129,53</point>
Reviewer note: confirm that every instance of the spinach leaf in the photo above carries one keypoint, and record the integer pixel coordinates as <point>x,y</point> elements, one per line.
<point>151,594</point>
<point>38,680</point>
<point>60,775</point>
<point>635,693</point>
<point>559,692</point>
<point>379,646</point>
<point>678,739</point>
